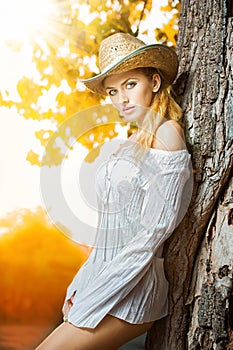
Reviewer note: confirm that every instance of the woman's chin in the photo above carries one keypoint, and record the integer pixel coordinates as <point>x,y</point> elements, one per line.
<point>134,117</point>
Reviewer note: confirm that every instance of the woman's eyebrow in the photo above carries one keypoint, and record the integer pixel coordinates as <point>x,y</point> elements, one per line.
<point>123,83</point>
<point>109,87</point>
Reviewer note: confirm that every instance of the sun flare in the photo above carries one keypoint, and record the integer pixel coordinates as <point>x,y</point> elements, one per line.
<point>23,20</point>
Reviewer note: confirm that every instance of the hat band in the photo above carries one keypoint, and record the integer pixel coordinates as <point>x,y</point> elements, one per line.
<point>108,67</point>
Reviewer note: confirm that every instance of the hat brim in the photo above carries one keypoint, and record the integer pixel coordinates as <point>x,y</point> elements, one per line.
<point>161,57</point>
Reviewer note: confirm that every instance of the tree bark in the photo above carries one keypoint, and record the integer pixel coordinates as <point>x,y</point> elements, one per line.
<point>199,255</point>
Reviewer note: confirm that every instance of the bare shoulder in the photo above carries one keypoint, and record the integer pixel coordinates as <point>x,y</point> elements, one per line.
<point>170,136</point>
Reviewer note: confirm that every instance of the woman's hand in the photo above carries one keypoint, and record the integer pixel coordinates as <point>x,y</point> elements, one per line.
<point>67,306</point>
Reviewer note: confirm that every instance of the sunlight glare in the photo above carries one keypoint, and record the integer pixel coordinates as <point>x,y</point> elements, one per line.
<point>22,20</point>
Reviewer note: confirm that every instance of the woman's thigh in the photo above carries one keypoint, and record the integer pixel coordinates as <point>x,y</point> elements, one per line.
<point>110,334</point>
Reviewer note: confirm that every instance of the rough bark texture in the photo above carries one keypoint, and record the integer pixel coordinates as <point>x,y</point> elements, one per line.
<point>211,301</point>
<point>199,255</point>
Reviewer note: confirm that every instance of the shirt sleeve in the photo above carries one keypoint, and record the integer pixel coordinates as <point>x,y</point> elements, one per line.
<point>159,217</point>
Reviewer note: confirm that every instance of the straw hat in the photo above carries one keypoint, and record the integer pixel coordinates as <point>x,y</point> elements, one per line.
<point>122,52</point>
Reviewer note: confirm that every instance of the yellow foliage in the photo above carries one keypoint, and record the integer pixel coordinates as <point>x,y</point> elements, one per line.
<point>91,156</point>
<point>43,136</point>
<point>25,85</point>
<point>166,8</point>
<point>33,158</point>
<point>168,33</point>
<point>171,32</point>
<point>69,53</point>
<point>90,127</point>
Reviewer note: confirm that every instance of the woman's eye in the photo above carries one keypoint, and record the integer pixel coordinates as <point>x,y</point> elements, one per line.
<point>130,85</point>
<point>112,92</point>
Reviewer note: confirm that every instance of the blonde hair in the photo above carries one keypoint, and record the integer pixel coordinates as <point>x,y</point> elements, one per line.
<point>163,107</point>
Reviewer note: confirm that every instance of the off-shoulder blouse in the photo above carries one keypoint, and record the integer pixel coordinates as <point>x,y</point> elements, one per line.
<point>140,204</point>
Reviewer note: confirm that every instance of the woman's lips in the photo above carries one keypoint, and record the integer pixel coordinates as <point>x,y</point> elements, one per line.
<point>128,109</point>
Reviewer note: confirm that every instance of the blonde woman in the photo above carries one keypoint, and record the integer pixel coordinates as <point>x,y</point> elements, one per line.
<point>122,289</point>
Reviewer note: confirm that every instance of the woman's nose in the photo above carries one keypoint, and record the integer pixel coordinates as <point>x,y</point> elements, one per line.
<point>123,97</point>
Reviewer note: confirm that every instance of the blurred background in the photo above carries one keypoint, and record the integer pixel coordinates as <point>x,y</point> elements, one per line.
<point>46,46</point>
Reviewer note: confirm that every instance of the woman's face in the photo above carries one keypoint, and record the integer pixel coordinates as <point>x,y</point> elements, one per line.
<point>132,92</point>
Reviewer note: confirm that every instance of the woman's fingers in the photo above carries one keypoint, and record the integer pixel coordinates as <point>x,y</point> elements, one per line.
<point>67,306</point>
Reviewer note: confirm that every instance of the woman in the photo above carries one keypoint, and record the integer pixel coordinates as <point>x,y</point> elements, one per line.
<point>121,289</point>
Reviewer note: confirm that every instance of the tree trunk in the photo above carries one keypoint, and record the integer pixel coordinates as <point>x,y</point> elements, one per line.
<point>199,255</point>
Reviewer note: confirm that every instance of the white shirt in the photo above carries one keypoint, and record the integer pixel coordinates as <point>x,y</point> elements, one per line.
<point>141,202</point>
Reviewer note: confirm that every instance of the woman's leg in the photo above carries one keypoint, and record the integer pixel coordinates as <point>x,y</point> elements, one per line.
<point>110,334</point>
